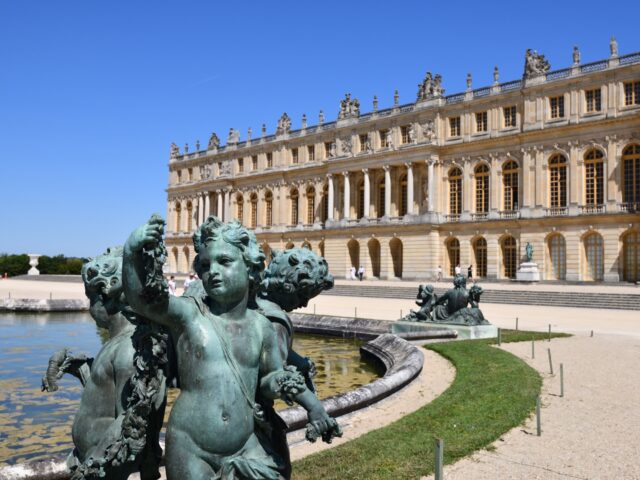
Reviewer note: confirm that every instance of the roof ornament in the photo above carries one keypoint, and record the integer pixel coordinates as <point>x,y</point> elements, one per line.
<point>535,64</point>
<point>431,87</point>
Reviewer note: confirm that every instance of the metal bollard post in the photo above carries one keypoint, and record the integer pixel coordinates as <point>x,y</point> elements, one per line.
<point>533,348</point>
<point>549,332</point>
<point>355,312</point>
<point>561,381</point>
<point>516,323</point>
<point>538,420</point>
<point>550,362</point>
<point>499,336</point>
<point>439,454</point>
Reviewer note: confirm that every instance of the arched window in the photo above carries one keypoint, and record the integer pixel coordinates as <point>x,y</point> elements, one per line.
<point>240,208</point>
<point>311,205</point>
<point>361,200</point>
<point>594,177</point>
<point>481,174</point>
<point>374,257</point>
<point>268,205</point>
<point>558,181</point>
<point>631,256</point>
<point>178,217</point>
<point>254,210</point>
<point>395,246</point>
<point>557,256</point>
<point>455,191</point>
<point>480,253</point>
<point>453,252</point>
<point>631,174</point>
<point>294,206</point>
<point>594,256</point>
<point>187,259</point>
<point>189,217</point>
<point>509,257</point>
<point>510,185</point>
<point>402,211</point>
<point>381,201</point>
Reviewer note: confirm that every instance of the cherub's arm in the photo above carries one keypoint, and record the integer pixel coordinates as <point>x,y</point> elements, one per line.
<point>62,362</point>
<point>146,290</point>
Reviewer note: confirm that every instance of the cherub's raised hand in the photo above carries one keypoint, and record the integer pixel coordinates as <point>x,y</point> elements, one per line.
<point>147,235</point>
<point>322,425</point>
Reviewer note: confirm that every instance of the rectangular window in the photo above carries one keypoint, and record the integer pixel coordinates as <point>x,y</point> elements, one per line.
<point>383,138</point>
<point>294,155</point>
<point>190,173</point>
<point>632,93</point>
<point>364,141</point>
<point>311,153</point>
<point>593,100</point>
<point>509,116</point>
<point>179,176</point>
<point>327,149</point>
<point>240,165</point>
<point>254,162</point>
<point>454,127</point>
<point>404,131</point>
<point>556,105</point>
<point>594,188</point>
<point>269,160</point>
<point>481,122</point>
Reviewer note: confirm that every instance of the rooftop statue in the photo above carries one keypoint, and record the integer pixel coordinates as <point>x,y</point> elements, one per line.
<point>233,137</point>
<point>450,308</point>
<point>117,427</point>
<point>349,108</point>
<point>284,124</point>
<point>535,64</point>
<point>214,142</point>
<point>228,356</point>
<point>431,87</point>
<point>174,150</point>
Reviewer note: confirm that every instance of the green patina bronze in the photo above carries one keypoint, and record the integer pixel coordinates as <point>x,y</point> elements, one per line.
<point>116,429</point>
<point>230,357</point>
<point>458,306</point>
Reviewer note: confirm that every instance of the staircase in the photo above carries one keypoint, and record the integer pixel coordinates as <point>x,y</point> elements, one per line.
<point>616,301</point>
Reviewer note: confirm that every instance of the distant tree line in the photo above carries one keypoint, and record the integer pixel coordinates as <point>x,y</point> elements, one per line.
<point>14,265</point>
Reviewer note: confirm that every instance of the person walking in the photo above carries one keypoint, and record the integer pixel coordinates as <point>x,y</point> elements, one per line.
<point>458,270</point>
<point>361,272</point>
<point>439,274</point>
<point>172,285</point>
<point>470,272</point>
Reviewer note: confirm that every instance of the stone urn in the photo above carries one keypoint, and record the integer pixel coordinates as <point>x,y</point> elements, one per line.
<point>33,261</point>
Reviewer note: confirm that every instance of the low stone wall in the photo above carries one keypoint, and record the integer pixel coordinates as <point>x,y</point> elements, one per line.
<point>42,305</point>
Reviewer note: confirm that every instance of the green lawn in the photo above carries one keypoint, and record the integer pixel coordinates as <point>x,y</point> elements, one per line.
<point>493,392</point>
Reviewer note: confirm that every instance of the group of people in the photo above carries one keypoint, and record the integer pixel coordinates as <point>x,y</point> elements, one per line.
<point>356,274</point>
<point>171,283</point>
<point>457,271</point>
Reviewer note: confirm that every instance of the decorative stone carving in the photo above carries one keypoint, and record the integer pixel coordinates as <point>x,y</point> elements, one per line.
<point>535,64</point>
<point>225,168</point>
<point>205,171</point>
<point>234,136</point>
<point>349,108</point>
<point>332,150</point>
<point>389,138</point>
<point>431,87</point>
<point>214,142</point>
<point>367,143</point>
<point>346,146</point>
<point>284,124</point>
<point>412,134</point>
<point>429,131</point>
<point>174,150</point>
<point>613,47</point>
<point>576,55</point>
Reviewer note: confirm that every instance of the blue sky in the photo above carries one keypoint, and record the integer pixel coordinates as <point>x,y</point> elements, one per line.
<point>92,93</point>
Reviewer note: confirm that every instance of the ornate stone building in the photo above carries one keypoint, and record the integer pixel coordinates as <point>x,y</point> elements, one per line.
<point>552,159</point>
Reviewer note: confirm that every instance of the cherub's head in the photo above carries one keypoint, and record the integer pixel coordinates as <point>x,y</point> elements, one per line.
<point>102,277</point>
<point>459,281</point>
<point>294,277</point>
<point>229,260</point>
<point>475,291</point>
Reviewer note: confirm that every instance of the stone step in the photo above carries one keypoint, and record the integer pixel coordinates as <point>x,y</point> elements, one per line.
<point>614,301</point>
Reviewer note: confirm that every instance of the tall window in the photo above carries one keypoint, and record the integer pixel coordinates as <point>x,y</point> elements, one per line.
<point>631,174</point>
<point>240,208</point>
<point>509,114</point>
<point>558,181</point>
<point>179,176</point>
<point>178,217</point>
<point>294,207</point>
<point>480,252</point>
<point>294,155</point>
<point>189,217</point>
<point>593,100</point>
<point>594,177</point>
<point>254,162</point>
<point>403,196</point>
<point>404,132</point>
<point>327,149</point>
<point>311,205</point>
<point>361,200</point>
<point>455,191</point>
<point>594,257</point>
<point>190,174</point>
<point>453,251</point>
<point>383,138</point>
<point>268,204</point>
<point>364,139</point>
<point>510,185</point>
<point>481,122</point>
<point>240,165</point>
<point>557,254</point>
<point>454,127</point>
<point>254,210</point>
<point>556,105</point>
<point>631,256</point>
<point>481,174</point>
<point>269,160</point>
<point>509,257</point>
<point>632,93</point>
<point>311,153</point>
<point>381,201</point>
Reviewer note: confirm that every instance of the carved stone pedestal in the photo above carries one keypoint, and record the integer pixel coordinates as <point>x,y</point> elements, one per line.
<point>528,272</point>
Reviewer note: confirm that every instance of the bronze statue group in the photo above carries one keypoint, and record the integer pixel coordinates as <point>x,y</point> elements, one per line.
<point>226,343</point>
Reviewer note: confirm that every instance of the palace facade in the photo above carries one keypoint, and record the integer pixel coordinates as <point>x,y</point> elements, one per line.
<point>552,159</point>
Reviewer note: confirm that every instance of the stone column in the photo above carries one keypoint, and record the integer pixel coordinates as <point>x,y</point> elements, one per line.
<point>207,204</point>
<point>219,211</point>
<point>200,210</point>
<point>430,185</point>
<point>409,188</point>
<point>347,197</point>
<point>330,197</point>
<point>317,202</point>
<point>184,216</point>
<point>387,190</point>
<point>227,205</point>
<point>611,183</point>
<point>367,193</point>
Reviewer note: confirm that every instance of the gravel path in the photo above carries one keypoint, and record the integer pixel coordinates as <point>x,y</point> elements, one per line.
<point>593,432</point>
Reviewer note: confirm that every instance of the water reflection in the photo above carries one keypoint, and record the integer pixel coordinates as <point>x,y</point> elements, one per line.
<point>36,425</point>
